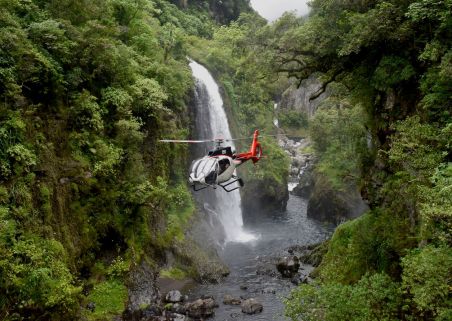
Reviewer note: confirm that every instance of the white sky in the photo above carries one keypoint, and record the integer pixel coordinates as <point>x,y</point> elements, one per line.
<point>273,9</point>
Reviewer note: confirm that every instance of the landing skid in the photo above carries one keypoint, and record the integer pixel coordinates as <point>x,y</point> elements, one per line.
<point>224,186</point>
<point>199,189</point>
<point>239,180</point>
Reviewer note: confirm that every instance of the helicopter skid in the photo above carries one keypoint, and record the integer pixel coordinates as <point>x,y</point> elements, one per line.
<point>236,179</point>
<point>224,186</point>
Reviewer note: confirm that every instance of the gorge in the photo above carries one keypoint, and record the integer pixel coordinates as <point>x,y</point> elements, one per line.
<point>97,221</point>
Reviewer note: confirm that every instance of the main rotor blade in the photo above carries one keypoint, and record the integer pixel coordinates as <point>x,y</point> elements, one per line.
<point>231,139</point>
<point>185,141</point>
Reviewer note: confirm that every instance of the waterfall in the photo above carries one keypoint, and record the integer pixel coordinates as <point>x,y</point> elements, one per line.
<point>211,122</point>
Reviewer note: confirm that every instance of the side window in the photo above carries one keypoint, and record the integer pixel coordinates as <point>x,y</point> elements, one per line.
<point>224,164</point>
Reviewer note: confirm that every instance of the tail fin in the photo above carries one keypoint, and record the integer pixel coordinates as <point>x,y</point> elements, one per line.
<point>255,152</point>
<point>256,149</point>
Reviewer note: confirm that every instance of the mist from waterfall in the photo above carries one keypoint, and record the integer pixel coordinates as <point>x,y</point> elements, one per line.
<point>212,122</point>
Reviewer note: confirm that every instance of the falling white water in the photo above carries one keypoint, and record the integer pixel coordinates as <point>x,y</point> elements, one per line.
<point>215,123</point>
<point>275,120</point>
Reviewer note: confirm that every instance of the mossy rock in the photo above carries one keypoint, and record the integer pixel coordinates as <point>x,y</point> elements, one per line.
<point>329,204</point>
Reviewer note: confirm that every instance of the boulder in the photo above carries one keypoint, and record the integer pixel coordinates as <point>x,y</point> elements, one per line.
<point>201,308</point>
<point>178,308</point>
<point>243,287</point>
<point>332,205</point>
<point>91,306</point>
<point>178,317</point>
<point>251,306</point>
<point>230,300</point>
<point>269,291</point>
<point>174,296</point>
<point>263,197</point>
<point>288,266</point>
<point>299,279</point>
<point>142,290</point>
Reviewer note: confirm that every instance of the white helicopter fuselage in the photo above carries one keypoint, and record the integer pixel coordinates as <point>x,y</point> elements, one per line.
<point>213,170</point>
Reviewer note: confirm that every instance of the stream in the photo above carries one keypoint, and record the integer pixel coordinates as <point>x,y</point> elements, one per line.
<point>249,251</point>
<point>274,235</point>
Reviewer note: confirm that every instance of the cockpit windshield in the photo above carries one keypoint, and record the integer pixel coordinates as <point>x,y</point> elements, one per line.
<point>206,167</point>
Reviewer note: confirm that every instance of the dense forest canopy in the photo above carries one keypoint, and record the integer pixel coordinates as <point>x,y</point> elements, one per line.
<point>87,194</point>
<point>86,89</point>
<point>388,64</point>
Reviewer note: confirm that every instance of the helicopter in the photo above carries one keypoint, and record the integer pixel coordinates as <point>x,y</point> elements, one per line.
<point>217,168</point>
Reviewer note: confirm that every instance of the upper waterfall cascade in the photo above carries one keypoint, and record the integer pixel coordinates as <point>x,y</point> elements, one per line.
<point>211,122</point>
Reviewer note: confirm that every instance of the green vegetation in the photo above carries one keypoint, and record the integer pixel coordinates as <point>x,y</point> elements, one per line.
<point>387,128</point>
<point>251,89</point>
<point>173,273</point>
<point>86,192</point>
<point>109,298</point>
<point>86,89</point>
<point>293,120</point>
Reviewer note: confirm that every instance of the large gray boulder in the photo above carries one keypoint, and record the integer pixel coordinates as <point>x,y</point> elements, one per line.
<point>230,300</point>
<point>251,306</point>
<point>174,296</point>
<point>142,290</point>
<point>201,308</point>
<point>332,205</point>
<point>288,266</point>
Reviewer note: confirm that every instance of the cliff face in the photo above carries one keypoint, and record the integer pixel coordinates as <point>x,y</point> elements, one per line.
<point>304,98</point>
<point>263,197</point>
<point>325,202</point>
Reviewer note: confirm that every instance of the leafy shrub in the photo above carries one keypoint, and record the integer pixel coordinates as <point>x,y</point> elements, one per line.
<point>35,276</point>
<point>148,98</point>
<point>374,297</point>
<point>427,279</point>
<point>109,298</point>
<point>293,119</point>
<point>86,113</point>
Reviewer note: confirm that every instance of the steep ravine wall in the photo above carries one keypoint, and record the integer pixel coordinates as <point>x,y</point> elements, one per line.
<point>259,196</point>
<point>324,201</point>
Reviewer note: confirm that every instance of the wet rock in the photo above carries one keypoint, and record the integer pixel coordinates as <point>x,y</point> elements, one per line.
<point>294,171</point>
<point>251,306</point>
<point>332,205</point>
<point>149,313</point>
<point>263,197</point>
<point>299,279</point>
<point>298,96</point>
<point>230,300</point>
<point>174,296</point>
<point>178,308</point>
<point>199,254</point>
<point>201,308</point>
<point>288,266</point>
<point>269,291</point>
<point>266,270</point>
<point>64,180</point>
<point>91,306</point>
<point>142,288</point>
<point>178,317</point>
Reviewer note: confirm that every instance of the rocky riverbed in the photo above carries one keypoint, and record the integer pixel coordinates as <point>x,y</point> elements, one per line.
<point>262,273</point>
<point>265,270</point>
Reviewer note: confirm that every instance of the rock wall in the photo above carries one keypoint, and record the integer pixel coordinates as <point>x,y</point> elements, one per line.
<point>324,202</point>
<point>331,205</point>
<point>263,197</point>
<point>299,98</point>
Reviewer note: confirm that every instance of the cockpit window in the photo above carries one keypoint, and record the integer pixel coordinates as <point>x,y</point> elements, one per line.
<point>224,164</point>
<point>206,167</point>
